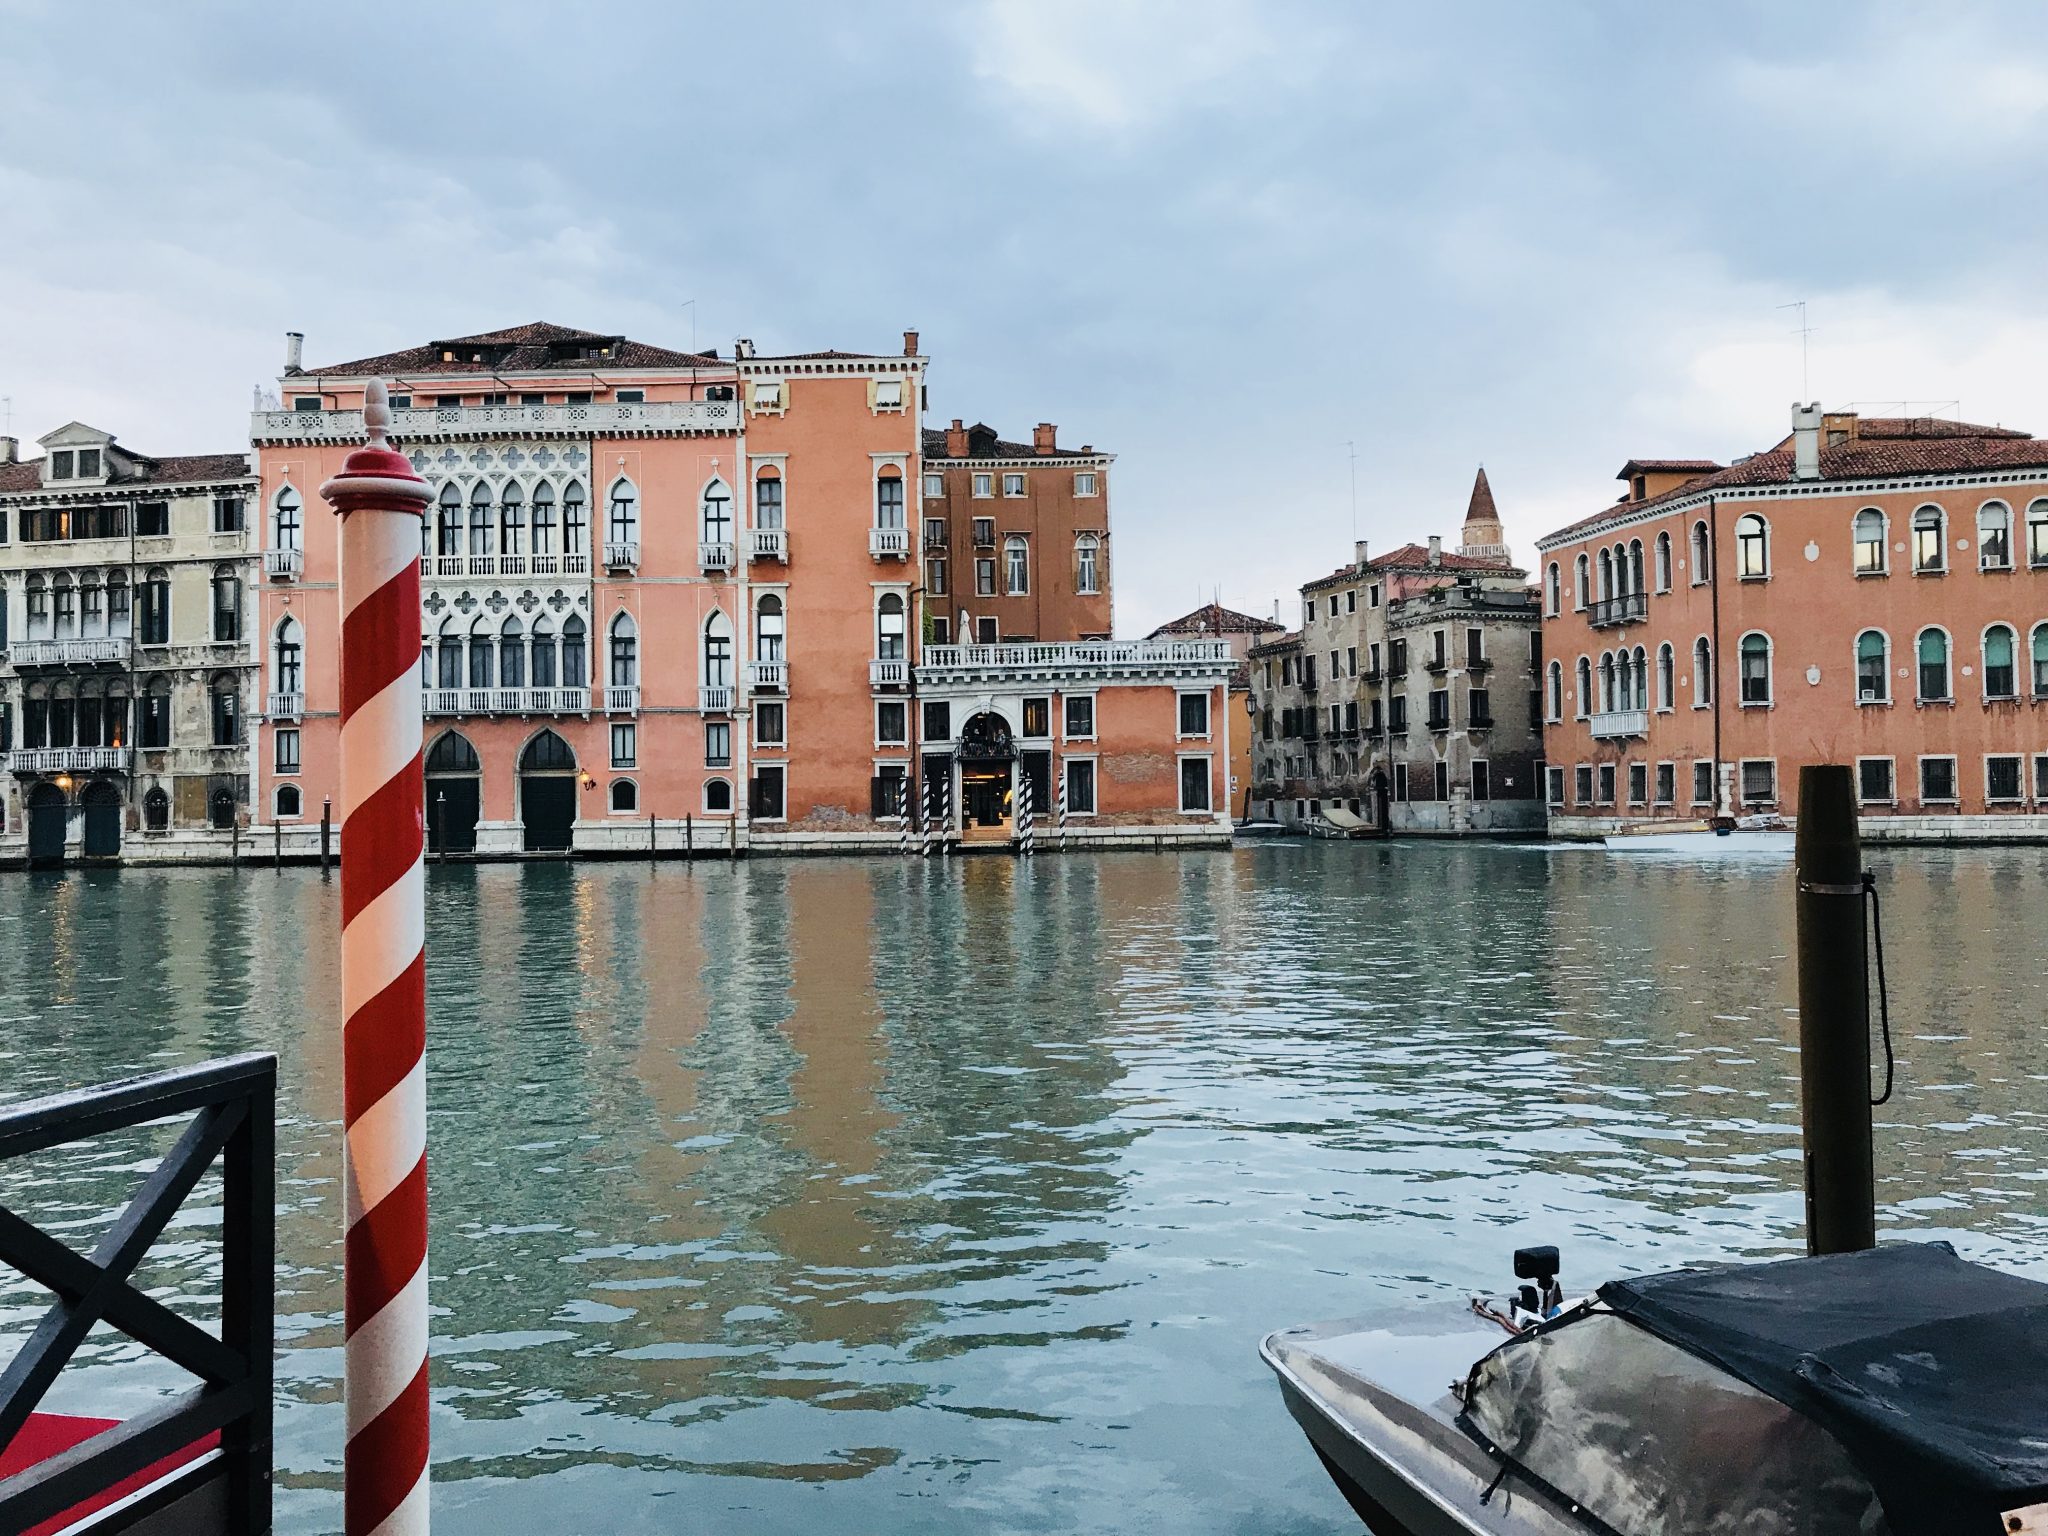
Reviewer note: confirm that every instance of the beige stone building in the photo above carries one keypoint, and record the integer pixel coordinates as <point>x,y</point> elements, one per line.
<point>126,618</point>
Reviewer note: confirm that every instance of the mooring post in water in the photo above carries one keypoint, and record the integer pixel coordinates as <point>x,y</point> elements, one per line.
<point>383,985</point>
<point>1834,1019</point>
<point>326,829</point>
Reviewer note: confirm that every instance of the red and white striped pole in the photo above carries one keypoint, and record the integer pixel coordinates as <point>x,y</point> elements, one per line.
<point>384,984</point>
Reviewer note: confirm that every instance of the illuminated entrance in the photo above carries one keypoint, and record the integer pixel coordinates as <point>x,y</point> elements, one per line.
<point>988,771</point>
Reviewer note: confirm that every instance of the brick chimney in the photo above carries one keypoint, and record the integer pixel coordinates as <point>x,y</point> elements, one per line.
<point>1045,438</point>
<point>956,440</point>
<point>1436,549</point>
<point>294,349</point>
<point>910,343</point>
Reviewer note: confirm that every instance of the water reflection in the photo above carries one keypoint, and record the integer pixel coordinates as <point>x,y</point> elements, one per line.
<point>930,1197</point>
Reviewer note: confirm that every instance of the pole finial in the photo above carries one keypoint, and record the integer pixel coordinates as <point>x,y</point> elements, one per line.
<point>377,413</point>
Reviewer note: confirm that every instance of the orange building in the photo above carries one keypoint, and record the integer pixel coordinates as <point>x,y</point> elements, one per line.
<point>670,602</point>
<point>1240,631</point>
<point>1871,590</point>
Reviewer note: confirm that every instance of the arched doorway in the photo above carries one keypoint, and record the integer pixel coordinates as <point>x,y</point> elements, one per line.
<point>47,814</point>
<point>102,802</point>
<point>547,793</point>
<point>988,761</point>
<point>454,794</point>
<point>156,810</point>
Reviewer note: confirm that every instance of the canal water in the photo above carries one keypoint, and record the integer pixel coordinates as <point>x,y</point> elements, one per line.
<point>881,1196</point>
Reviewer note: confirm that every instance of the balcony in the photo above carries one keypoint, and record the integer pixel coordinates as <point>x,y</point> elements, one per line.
<point>891,673</point>
<point>768,676</point>
<point>715,557</point>
<point>436,423</point>
<point>68,759</point>
<point>1613,724</point>
<point>1479,723</point>
<point>284,564</point>
<point>889,543</point>
<point>114,649</point>
<point>622,556</point>
<point>576,564</point>
<point>714,700</point>
<point>505,701</point>
<point>984,533</point>
<point>1608,612</point>
<point>622,700</point>
<point>1439,722</point>
<point>1371,675</point>
<point>1052,661</point>
<point>771,544</point>
<point>285,706</point>
<point>1478,665</point>
<point>1436,666</point>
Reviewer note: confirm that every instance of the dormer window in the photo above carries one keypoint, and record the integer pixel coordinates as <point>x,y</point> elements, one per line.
<point>1639,487</point>
<point>61,461</point>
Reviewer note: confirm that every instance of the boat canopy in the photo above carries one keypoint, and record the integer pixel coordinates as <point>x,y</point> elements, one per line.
<point>1900,1390</point>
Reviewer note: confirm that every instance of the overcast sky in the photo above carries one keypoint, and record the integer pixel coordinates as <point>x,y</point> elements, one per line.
<point>1222,240</point>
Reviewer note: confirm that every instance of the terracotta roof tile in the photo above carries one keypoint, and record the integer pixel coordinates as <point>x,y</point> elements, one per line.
<point>1667,467</point>
<point>984,444</point>
<point>1215,619</point>
<point>179,469</point>
<point>528,349</point>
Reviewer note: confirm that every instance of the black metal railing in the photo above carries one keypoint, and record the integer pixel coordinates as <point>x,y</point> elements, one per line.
<point>231,1104</point>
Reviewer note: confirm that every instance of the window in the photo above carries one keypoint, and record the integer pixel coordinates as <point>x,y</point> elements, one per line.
<point>624,397</point>
<point>935,581</point>
<point>625,652</point>
<point>768,628</point>
<point>1932,649</point>
<point>156,714</point>
<point>718,742</point>
<point>1752,547</point>
<point>155,597</point>
<point>1667,783</point>
<point>1664,675</point>
<point>717,513</point>
<point>1703,781</point>
<point>448,522</point>
<point>62,460</point>
<point>889,628</point>
<point>1582,698</point>
<point>1638,783</point>
<point>934,486</point>
<point>1663,562</point>
<point>1194,714</point>
<point>1582,784</point>
<point>575,668</point>
<point>1938,780</point>
<point>1087,564</point>
<point>1372,596</point>
<point>767,394</point>
<point>543,521</point>
<point>718,651</point>
<point>1551,591</point>
<point>1874,780</point>
<point>940,628</point>
<point>1013,485</point>
<point>938,721</point>
<point>152,519</point>
<point>1930,556</point>
<point>1482,779</point>
<point>227,514</point>
<point>2037,533</point>
<point>1870,536</point>
<point>1016,567</point>
<point>2001,778</point>
<point>1194,783</point>
<point>1755,669</point>
<point>985,631</point>
<point>888,394</point>
<point>1086,483</point>
<point>623,523</point>
<point>480,520</point>
<point>892,723</point>
<point>1351,601</point>
<point>1442,776</point>
<point>1994,537</point>
<point>626,744</point>
<point>935,533</point>
<point>1702,672</point>
<point>1037,717</point>
<point>1702,555</point>
<point>1080,710</point>
<point>889,502</point>
<point>1607,783</point>
<point>227,605</point>
<point>575,523</point>
<point>482,655</point>
<point>984,484</point>
<point>1553,691</point>
<point>1553,786</point>
<point>625,797</point>
<point>226,712</point>
<point>1873,667</point>
<point>288,657</point>
<point>768,796</point>
<point>769,724</point>
<point>2040,651</point>
<point>286,759</point>
<point>984,533</point>
<point>2041,777</point>
<point>1581,583</point>
<point>2001,677</point>
<point>984,576</point>
<point>1759,781</point>
<point>1080,779</point>
<point>511,520</point>
<point>287,801</point>
<point>718,796</point>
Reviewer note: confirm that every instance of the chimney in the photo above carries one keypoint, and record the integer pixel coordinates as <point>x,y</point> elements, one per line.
<point>1358,552</point>
<point>10,449</point>
<point>294,349</point>
<point>1045,438</point>
<point>1806,441</point>
<point>743,348</point>
<point>1436,549</point>
<point>956,440</point>
<point>910,343</point>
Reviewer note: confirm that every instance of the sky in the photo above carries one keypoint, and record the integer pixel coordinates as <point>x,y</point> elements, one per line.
<point>1252,249</point>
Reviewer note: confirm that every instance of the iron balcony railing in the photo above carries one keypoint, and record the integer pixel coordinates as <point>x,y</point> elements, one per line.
<point>68,759</point>
<point>893,672</point>
<point>768,676</point>
<point>436,422</point>
<point>622,699</point>
<point>715,556</point>
<point>621,555</point>
<point>284,564</point>
<point>714,700</point>
<point>1629,608</point>
<point>229,1107</point>
<point>66,653</point>
<point>889,543</point>
<point>507,701</point>
<point>1613,724</point>
<point>771,544</point>
<point>286,706</point>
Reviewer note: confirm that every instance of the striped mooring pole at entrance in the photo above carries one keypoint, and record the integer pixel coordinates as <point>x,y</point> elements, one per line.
<point>1060,801</point>
<point>383,984</point>
<point>931,820</point>
<point>1024,814</point>
<point>946,815</point>
<point>903,812</point>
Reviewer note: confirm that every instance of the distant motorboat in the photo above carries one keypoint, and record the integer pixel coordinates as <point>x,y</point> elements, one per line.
<point>1769,837</point>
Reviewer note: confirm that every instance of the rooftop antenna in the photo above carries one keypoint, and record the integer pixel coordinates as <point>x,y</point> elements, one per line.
<point>7,412</point>
<point>691,306</point>
<point>1803,331</point>
<point>1352,445</point>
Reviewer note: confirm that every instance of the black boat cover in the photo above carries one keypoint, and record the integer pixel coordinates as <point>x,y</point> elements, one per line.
<point>1906,1370</point>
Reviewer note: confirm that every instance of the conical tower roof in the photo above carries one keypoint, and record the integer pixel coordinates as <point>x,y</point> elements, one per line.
<point>1483,536</point>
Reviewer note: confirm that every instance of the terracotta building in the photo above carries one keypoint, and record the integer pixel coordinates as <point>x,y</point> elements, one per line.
<point>1240,631</point>
<point>1869,590</point>
<point>1015,539</point>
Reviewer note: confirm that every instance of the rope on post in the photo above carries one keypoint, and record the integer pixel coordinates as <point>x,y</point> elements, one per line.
<point>383,980</point>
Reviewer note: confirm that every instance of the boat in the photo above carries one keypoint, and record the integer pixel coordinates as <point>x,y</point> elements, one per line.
<point>1892,1391</point>
<point>1748,837</point>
